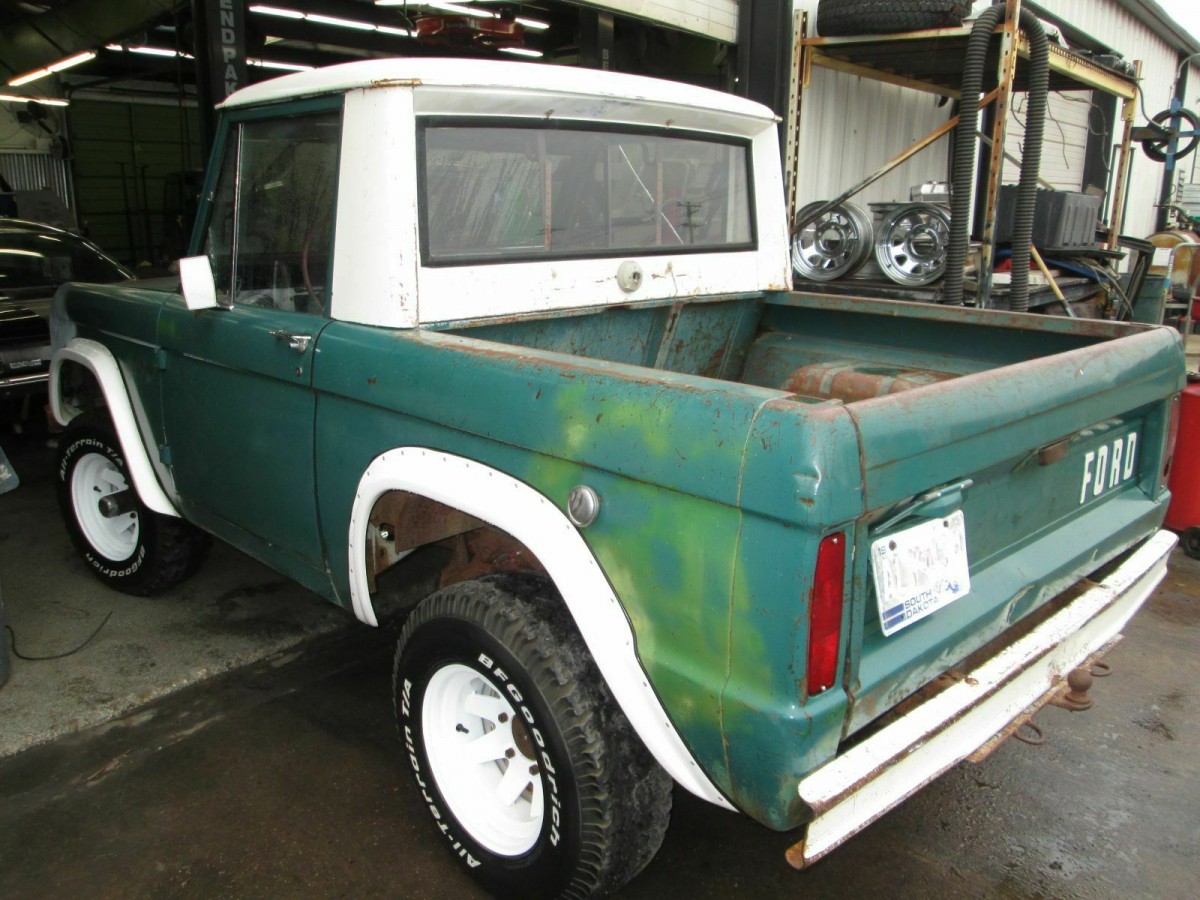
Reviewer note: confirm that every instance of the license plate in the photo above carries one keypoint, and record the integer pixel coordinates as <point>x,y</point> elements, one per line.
<point>919,570</point>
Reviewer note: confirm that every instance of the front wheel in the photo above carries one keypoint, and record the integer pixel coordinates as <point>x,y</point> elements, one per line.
<point>532,774</point>
<point>125,545</point>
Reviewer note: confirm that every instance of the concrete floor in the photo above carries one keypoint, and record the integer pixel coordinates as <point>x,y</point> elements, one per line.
<point>253,754</point>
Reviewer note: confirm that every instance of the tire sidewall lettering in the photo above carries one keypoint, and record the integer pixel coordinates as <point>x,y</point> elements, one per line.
<point>116,572</point>
<point>543,860</point>
<point>103,566</point>
<point>82,445</point>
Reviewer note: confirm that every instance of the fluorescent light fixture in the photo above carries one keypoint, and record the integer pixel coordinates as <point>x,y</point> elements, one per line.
<point>147,50</point>
<point>340,23</point>
<point>72,61</point>
<point>534,24</point>
<point>335,21</point>
<point>45,101</point>
<point>53,67</point>
<point>155,51</point>
<point>521,51</point>
<point>461,10</point>
<point>287,67</point>
<point>277,11</point>
<point>28,77</point>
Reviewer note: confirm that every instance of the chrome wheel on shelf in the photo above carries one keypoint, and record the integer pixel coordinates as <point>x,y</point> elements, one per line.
<point>833,245</point>
<point>910,243</point>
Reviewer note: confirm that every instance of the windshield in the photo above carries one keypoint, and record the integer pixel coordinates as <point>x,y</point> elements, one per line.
<point>530,192</point>
<point>30,259</point>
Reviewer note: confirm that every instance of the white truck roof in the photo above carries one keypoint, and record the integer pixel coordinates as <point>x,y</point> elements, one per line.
<point>499,78</point>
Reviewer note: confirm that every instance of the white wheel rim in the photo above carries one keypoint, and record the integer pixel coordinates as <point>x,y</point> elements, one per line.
<point>94,478</point>
<point>491,786</point>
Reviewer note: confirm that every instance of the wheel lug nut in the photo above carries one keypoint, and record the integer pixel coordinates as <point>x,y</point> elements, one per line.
<point>510,753</point>
<point>503,718</point>
<point>533,770</point>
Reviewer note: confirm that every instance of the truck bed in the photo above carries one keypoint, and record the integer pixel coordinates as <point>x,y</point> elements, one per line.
<point>1017,409</point>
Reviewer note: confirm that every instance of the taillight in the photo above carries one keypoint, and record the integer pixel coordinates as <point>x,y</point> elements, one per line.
<point>825,613</point>
<point>1172,437</point>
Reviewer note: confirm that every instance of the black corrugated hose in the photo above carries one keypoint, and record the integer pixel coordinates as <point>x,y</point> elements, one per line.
<point>964,155</point>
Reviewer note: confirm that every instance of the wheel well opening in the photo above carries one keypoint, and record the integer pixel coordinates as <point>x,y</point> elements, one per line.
<point>443,543</point>
<point>78,390</point>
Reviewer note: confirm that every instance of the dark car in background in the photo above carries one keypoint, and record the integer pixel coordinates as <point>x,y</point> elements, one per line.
<point>34,260</point>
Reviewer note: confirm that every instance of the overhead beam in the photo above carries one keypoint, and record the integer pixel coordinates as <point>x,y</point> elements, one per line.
<point>82,25</point>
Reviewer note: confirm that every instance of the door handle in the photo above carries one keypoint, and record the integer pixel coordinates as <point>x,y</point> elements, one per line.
<point>298,342</point>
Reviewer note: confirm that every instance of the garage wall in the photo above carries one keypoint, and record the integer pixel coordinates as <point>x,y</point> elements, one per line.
<point>716,19</point>
<point>124,154</point>
<point>13,134</point>
<point>1064,145</point>
<point>31,160</point>
<point>850,126</point>
<point>1108,22</point>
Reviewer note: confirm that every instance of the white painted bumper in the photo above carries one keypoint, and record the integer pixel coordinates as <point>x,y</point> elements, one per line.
<point>862,784</point>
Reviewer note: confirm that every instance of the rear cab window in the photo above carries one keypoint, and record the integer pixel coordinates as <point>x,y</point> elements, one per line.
<point>502,193</point>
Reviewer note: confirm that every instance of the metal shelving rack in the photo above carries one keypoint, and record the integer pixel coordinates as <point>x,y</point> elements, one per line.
<point>931,61</point>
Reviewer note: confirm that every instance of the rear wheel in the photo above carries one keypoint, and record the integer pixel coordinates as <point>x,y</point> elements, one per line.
<point>1191,542</point>
<point>528,768</point>
<point>124,544</point>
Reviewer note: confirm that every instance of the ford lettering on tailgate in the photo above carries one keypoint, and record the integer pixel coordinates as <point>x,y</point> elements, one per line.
<point>1108,466</point>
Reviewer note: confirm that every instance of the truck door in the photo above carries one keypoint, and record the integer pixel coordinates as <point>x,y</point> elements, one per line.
<point>241,407</point>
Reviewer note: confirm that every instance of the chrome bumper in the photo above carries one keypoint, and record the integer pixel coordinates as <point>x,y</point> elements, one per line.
<point>866,781</point>
<point>19,384</point>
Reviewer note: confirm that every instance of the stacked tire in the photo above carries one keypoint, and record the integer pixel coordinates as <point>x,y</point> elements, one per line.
<point>847,17</point>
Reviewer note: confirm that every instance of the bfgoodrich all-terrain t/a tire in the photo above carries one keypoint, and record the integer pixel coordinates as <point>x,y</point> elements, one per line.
<point>125,545</point>
<point>531,773</point>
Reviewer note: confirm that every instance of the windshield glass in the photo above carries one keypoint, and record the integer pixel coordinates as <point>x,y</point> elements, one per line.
<point>528,192</point>
<point>30,259</point>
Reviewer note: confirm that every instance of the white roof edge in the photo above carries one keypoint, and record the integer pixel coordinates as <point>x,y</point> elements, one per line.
<point>560,80</point>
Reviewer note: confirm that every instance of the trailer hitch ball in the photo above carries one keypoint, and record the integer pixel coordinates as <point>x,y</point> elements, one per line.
<point>1077,699</point>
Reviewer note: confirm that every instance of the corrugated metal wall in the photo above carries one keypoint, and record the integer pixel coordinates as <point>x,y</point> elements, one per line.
<point>850,126</point>
<point>36,171</point>
<point>124,153</point>
<point>716,19</point>
<point>1065,142</point>
<point>1106,21</point>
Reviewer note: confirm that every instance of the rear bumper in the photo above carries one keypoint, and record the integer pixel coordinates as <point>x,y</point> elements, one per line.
<point>866,781</point>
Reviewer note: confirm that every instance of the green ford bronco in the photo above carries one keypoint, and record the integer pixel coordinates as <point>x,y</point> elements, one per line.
<point>797,554</point>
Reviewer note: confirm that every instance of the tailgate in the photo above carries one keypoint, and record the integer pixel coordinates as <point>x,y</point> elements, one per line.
<point>1054,467</point>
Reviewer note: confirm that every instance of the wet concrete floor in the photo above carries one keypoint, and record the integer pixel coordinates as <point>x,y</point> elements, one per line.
<point>287,781</point>
<point>284,778</point>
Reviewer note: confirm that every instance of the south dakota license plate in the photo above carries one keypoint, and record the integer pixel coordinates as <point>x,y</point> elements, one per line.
<point>919,570</point>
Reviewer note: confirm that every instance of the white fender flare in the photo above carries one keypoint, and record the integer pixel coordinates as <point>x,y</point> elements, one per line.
<point>516,508</point>
<point>98,360</point>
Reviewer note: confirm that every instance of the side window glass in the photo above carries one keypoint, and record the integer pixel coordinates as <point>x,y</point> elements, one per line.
<point>282,233</point>
<point>218,241</point>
